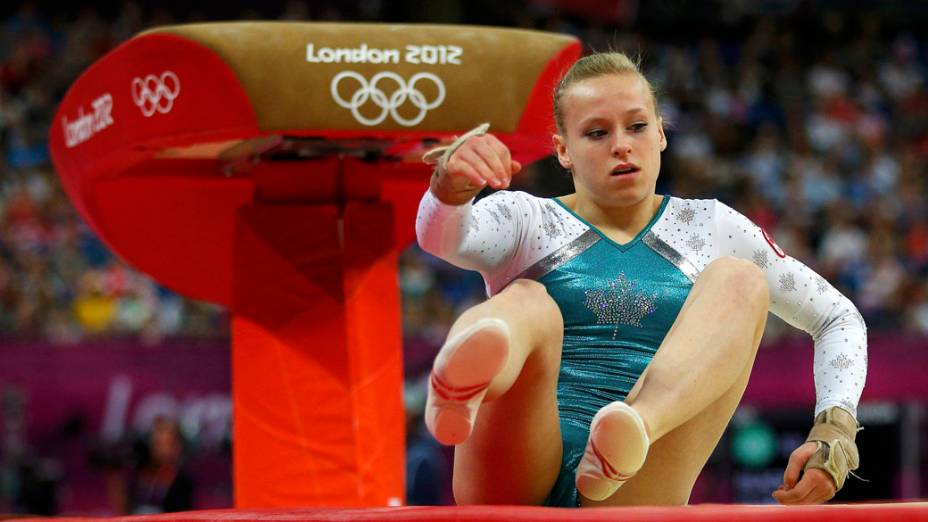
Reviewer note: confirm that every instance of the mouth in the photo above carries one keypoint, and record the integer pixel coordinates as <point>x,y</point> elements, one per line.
<point>624,169</point>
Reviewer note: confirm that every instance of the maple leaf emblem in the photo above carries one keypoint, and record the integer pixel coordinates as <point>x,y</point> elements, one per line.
<point>841,362</point>
<point>620,303</point>
<point>687,214</point>
<point>695,242</point>
<point>760,258</point>
<point>787,282</point>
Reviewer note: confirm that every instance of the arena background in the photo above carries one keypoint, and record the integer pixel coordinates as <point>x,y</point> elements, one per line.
<point>811,117</point>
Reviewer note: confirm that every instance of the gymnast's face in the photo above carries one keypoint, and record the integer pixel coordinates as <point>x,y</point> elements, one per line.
<point>612,139</point>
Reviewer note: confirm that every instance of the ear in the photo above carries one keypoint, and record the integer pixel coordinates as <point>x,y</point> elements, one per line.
<point>661,135</point>
<point>560,147</point>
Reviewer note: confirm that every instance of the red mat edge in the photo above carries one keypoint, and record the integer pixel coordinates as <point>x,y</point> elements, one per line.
<point>916,511</point>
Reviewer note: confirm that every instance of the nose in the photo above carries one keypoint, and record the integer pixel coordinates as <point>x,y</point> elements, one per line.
<point>621,147</point>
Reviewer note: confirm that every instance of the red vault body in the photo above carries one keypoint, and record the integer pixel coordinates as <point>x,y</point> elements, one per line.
<point>273,168</point>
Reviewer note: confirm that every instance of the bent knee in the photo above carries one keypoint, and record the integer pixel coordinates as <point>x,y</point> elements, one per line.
<point>526,288</point>
<point>740,277</point>
<point>532,297</point>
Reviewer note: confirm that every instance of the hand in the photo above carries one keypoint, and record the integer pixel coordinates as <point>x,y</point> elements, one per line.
<point>480,161</point>
<point>815,487</point>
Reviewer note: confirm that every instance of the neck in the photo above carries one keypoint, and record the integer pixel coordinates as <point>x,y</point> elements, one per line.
<point>629,220</point>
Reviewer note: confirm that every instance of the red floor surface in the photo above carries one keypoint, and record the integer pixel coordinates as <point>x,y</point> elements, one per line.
<point>741,513</point>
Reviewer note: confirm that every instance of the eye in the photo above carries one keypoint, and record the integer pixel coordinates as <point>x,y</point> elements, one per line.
<point>637,127</point>
<point>595,133</point>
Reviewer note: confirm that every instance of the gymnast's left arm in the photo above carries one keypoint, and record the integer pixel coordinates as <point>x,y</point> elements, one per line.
<point>804,299</point>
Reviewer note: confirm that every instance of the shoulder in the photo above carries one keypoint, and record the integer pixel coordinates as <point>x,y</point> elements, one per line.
<point>510,198</point>
<point>506,204</point>
<point>687,227</point>
<point>705,211</point>
<point>683,214</point>
<point>698,207</point>
<point>700,230</point>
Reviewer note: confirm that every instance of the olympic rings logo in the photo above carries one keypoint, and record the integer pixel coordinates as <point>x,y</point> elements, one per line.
<point>155,93</point>
<point>388,105</point>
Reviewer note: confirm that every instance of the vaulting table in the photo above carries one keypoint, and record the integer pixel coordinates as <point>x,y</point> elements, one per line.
<point>273,168</point>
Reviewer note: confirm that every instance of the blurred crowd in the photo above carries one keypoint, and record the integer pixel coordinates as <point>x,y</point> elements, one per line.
<point>812,122</point>
<point>809,118</point>
<point>58,282</point>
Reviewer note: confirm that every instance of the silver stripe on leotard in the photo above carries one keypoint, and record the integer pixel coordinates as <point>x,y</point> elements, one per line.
<point>670,254</point>
<point>560,256</point>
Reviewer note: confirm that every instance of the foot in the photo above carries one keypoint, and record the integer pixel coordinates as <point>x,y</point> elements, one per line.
<point>461,375</point>
<point>616,450</point>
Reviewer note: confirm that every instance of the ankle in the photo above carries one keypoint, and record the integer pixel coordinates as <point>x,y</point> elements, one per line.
<point>646,419</point>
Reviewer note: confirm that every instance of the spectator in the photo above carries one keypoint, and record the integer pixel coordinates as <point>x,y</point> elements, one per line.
<point>161,484</point>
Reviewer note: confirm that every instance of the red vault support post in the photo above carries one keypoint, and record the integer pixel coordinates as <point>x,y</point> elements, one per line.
<point>316,343</point>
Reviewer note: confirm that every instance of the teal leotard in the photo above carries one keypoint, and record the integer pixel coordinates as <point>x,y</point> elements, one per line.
<point>618,302</point>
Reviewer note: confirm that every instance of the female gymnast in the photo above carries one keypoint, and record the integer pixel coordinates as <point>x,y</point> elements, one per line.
<point>622,324</point>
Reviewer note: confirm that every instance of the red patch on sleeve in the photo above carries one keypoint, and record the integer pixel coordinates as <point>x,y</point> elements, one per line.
<point>773,244</point>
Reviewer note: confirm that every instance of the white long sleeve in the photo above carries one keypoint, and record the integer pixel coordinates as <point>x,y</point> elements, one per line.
<point>704,230</point>
<point>807,301</point>
<point>499,236</point>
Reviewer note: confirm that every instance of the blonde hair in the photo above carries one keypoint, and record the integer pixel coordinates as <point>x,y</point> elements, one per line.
<point>592,66</point>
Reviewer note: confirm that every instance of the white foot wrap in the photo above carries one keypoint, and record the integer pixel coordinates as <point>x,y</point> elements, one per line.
<point>616,450</point>
<point>460,377</point>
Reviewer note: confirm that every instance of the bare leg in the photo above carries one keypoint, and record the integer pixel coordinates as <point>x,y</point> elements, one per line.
<point>708,348</point>
<point>691,388</point>
<point>513,454</point>
<point>675,461</point>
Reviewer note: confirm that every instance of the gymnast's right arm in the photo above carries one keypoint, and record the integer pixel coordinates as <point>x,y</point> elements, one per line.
<point>449,225</point>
